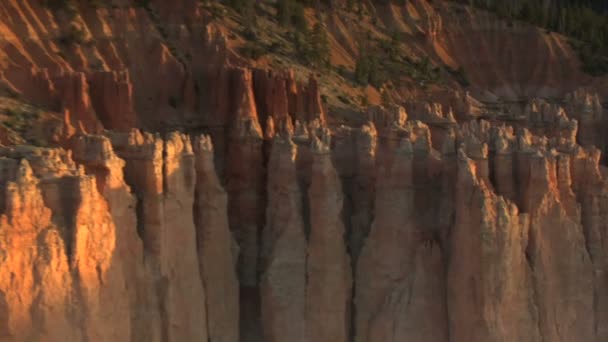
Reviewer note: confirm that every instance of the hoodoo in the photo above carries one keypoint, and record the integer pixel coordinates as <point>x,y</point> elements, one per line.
<point>297,171</point>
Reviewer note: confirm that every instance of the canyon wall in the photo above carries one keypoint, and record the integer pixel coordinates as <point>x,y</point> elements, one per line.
<point>249,217</point>
<point>369,234</point>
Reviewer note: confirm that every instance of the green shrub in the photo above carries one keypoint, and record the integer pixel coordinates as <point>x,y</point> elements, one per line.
<point>74,36</point>
<point>252,51</point>
<point>68,6</point>
<point>313,47</point>
<point>460,76</point>
<point>344,99</point>
<point>290,13</point>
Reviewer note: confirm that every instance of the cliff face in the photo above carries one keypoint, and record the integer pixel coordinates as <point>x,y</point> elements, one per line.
<point>433,222</point>
<point>498,236</point>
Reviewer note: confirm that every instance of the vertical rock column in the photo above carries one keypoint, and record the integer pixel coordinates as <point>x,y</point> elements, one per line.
<point>216,248</point>
<point>592,190</point>
<point>363,189</point>
<point>185,299</point>
<point>329,279</point>
<point>283,279</point>
<point>487,260</point>
<point>245,178</point>
<point>399,282</point>
<point>244,174</point>
<point>559,257</point>
<point>98,276</point>
<point>503,168</point>
<point>35,282</point>
<point>162,174</point>
<point>96,154</point>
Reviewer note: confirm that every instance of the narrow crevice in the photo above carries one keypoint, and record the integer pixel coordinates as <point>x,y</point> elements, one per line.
<point>70,201</point>
<point>346,217</point>
<point>530,256</point>
<point>139,218</point>
<point>165,176</point>
<point>197,208</point>
<point>305,201</point>
<point>587,225</point>
<point>162,289</point>
<point>492,171</point>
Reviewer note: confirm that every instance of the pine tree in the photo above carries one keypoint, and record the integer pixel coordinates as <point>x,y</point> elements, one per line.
<point>285,10</point>
<point>362,67</point>
<point>320,44</point>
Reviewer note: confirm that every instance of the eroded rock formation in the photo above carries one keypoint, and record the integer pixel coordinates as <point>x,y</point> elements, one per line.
<point>475,242</point>
<point>277,225</point>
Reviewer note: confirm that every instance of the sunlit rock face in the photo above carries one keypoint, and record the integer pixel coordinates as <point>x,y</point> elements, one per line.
<point>277,224</point>
<point>497,236</point>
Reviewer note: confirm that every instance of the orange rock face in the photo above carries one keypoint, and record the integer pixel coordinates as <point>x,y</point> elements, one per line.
<point>475,242</point>
<point>273,225</point>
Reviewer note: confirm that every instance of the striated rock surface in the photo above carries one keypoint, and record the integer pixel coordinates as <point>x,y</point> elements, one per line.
<point>499,236</point>
<point>162,175</point>
<point>328,275</point>
<point>283,255</point>
<point>399,273</point>
<point>490,292</point>
<point>276,224</point>
<point>216,248</point>
<point>79,266</point>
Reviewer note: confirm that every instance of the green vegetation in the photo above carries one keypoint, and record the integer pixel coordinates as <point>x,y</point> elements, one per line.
<point>252,51</point>
<point>586,21</point>
<point>460,76</point>
<point>247,10</point>
<point>142,3</point>
<point>68,6</point>
<point>74,36</point>
<point>20,118</point>
<point>382,60</point>
<point>313,46</point>
<point>291,13</point>
<point>368,69</point>
<point>58,4</point>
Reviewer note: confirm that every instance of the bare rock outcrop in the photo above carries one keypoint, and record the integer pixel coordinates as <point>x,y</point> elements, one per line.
<point>33,247</point>
<point>216,248</point>
<point>276,225</point>
<point>162,175</point>
<point>364,188</point>
<point>112,97</point>
<point>245,179</point>
<point>488,259</point>
<point>399,272</point>
<point>586,108</point>
<point>75,274</point>
<point>283,278</point>
<point>328,274</point>
<point>99,159</point>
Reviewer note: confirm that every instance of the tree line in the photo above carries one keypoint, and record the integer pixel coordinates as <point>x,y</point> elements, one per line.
<point>310,43</point>
<point>586,21</point>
